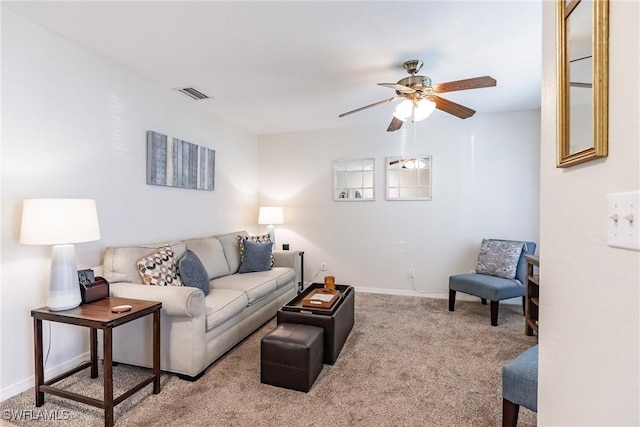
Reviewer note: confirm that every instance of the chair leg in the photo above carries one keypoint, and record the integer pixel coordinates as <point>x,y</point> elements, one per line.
<point>509,413</point>
<point>524,313</point>
<point>494,313</point>
<point>484,301</point>
<point>452,299</point>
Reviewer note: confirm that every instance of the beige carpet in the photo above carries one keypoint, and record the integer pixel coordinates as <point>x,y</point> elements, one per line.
<point>407,362</point>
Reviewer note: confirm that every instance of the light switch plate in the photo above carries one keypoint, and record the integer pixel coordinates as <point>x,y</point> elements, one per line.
<point>623,220</point>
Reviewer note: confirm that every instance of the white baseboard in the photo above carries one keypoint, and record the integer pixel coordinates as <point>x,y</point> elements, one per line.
<point>402,292</point>
<point>439,295</point>
<point>27,383</point>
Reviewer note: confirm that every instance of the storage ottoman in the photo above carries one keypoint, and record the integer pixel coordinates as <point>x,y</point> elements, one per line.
<point>291,356</point>
<point>336,325</point>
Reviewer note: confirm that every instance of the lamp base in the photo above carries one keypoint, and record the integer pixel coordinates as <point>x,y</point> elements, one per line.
<point>272,233</point>
<point>64,289</point>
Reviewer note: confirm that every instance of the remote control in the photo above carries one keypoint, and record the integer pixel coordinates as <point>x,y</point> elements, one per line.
<point>121,308</point>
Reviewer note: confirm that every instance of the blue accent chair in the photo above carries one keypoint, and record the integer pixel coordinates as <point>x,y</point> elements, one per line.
<point>492,288</point>
<point>519,386</point>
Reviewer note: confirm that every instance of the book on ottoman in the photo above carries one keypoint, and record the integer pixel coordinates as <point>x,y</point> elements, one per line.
<point>322,298</point>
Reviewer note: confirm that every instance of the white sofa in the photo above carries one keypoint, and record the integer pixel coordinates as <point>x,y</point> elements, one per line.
<point>196,330</point>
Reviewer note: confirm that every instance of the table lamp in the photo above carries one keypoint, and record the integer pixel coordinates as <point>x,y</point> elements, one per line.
<point>271,215</point>
<point>60,222</point>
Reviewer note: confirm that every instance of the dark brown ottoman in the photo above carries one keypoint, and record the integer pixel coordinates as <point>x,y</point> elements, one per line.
<point>291,356</point>
<point>337,324</point>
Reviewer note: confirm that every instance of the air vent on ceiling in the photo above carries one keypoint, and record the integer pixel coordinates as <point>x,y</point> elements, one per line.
<point>192,93</point>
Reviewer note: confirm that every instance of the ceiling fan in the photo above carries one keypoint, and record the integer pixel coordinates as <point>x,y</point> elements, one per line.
<point>421,98</point>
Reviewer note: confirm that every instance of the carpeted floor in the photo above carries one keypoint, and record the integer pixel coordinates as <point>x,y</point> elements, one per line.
<point>407,362</point>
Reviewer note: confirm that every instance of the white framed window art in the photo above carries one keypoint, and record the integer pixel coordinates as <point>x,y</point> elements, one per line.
<point>409,178</point>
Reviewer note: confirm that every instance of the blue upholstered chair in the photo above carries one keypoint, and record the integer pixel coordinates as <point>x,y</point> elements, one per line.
<point>519,386</point>
<point>493,288</point>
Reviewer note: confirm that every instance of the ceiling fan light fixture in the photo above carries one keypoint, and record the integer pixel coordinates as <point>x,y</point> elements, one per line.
<point>403,110</point>
<point>423,109</point>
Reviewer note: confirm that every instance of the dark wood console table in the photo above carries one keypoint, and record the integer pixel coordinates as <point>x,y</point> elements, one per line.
<point>96,315</point>
<point>532,301</point>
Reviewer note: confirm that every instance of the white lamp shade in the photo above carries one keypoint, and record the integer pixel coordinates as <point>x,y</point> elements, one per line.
<point>59,221</point>
<point>423,110</point>
<point>271,215</point>
<point>403,110</point>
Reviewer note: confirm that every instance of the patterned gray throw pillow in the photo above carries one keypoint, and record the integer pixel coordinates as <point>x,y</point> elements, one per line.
<point>499,258</point>
<point>160,268</point>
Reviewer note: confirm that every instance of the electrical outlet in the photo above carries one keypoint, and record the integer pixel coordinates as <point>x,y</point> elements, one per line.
<point>323,266</point>
<point>412,272</point>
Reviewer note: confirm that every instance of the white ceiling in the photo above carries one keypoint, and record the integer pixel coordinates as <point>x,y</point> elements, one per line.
<point>274,67</point>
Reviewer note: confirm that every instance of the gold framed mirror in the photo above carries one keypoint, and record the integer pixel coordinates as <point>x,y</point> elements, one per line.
<point>583,81</point>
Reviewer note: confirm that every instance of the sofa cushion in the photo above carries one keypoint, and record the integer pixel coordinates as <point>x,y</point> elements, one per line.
<point>499,258</point>
<point>160,268</point>
<point>257,257</point>
<point>281,275</point>
<point>192,272</point>
<point>210,252</point>
<point>120,262</point>
<point>255,285</point>
<point>229,244</point>
<point>222,305</point>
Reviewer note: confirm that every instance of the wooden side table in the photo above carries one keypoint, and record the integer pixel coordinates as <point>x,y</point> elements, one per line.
<point>96,315</point>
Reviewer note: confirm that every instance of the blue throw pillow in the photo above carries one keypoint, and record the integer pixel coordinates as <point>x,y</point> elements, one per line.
<point>192,272</point>
<point>257,257</point>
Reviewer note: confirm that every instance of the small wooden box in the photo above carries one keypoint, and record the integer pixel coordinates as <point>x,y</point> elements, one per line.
<point>98,290</point>
<point>321,298</point>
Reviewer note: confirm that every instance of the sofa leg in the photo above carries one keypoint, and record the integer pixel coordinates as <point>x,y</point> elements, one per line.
<point>509,413</point>
<point>494,313</point>
<point>190,378</point>
<point>452,300</point>
<point>484,301</point>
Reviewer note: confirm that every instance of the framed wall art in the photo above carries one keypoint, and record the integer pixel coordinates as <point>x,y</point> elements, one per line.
<point>172,162</point>
<point>409,178</point>
<point>353,180</point>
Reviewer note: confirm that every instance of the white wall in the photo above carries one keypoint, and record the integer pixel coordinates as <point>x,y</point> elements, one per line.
<point>74,125</point>
<point>589,367</point>
<point>486,184</point>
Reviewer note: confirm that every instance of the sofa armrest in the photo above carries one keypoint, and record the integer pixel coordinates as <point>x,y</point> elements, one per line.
<point>292,259</point>
<point>98,270</point>
<point>182,301</point>
<point>287,258</point>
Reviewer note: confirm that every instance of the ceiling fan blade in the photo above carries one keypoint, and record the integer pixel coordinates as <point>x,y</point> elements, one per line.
<point>577,84</point>
<point>384,101</point>
<point>453,108</point>
<point>395,124</point>
<point>474,83</point>
<point>399,88</point>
